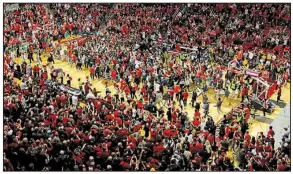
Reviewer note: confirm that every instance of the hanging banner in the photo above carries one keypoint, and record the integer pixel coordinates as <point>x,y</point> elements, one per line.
<point>174,53</point>
<point>252,73</point>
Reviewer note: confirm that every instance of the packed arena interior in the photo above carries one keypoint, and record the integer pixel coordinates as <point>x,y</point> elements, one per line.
<point>145,87</point>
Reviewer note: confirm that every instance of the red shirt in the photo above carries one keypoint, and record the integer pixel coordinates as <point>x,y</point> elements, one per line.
<point>158,149</point>
<point>205,133</point>
<point>177,47</point>
<point>196,114</point>
<point>124,164</point>
<point>185,95</point>
<point>198,146</point>
<point>41,83</point>
<point>69,52</point>
<point>143,90</point>
<point>167,133</point>
<point>74,58</point>
<point>36,69</point>
<point>270,132</point>
<point>113,74</point>
<point>268,148</point>
<point>174,133</point>
<point>122,132</point>
<point>227,131</point>
<point>53,117</point>
<point>151,70</point>
<point>79,111</point>
<point>137,128</point>
<point>8,60</point>
<point>63,100</point>
<point>243,91</point>
<point>247,137</point>
<point>65,120</point>
<point>109,117</point>
<point>211,138</point>
<point>86,88</point>
<point>122,106</point>
<point>154,133</point>
<point>192,148</point>
<point>176,89</point>
<point>132,140</point>
<point>5,67</point>
<point>171,92</point>
<point>246,144</point>
<point>196,123</point>
<point>198,159</point>
<point>116,113</point>
<point>281,167</point>
<point>138,73</point>
<point>127,90</point>
<point>140,105</point>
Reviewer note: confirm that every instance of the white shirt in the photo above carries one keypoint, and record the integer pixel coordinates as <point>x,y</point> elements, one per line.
<point>143,34</point>
<point>62,52</point>
<point>285,41</point>
<point>137,63</point>
<point>74,100</point>
<point>157,87</point>
<point>246,11</point>
<point>133,113</point>
<point>130,78</point>
<point>250,55</point>
<point>187,82</point>
<point>12,55</point>
<point>245,54</point>
<point>23,86</point>
<point>90,95</point>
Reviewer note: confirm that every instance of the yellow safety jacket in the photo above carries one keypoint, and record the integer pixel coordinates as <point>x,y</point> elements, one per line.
<point>252,111</point>
<point>233,86</point>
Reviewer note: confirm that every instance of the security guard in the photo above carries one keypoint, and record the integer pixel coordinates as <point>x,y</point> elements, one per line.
<point>181,57</point>
<point>194,97</point>
<point>165,54</point>
<point>233,88</point>
<point>203,83</point>
<point>252,111</point>
<point>279,69</point>
<point>240,117</point>
<point>243,113</point>
<point>219,84</point>
<point>238,86</point>
<point>219,87</point>
<point>250,80</point>
<point>61,75</point>
<point>80,85</point>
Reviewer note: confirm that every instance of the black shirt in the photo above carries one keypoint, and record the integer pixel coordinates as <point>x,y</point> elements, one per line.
<point>197,106</point>
<point>147,131</point>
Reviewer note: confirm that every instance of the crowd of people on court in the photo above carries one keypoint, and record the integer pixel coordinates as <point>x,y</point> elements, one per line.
<point>154,54</point>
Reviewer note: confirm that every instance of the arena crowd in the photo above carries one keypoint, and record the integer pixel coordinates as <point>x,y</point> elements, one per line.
<point>154,54</point>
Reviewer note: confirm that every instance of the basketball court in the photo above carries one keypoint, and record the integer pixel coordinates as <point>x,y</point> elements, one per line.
<point>259,124</point>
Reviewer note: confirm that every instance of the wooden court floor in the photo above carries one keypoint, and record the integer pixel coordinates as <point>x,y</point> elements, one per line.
<point>257,125</point>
